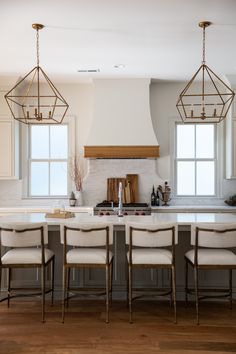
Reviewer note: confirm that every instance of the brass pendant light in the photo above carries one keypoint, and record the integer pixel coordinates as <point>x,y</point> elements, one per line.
<point>212,101</point>
<point>35,99</point>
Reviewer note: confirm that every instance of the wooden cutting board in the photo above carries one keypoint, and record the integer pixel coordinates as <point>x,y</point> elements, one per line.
<point>132,180</point>
<point>113,188</point>
<point>130,189</point>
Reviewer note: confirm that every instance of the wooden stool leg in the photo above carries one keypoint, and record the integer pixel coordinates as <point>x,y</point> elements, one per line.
<point>196,292</point>
<point>43,291</point>
<point>67,287</point>
<point>52,279</point>
<point>230,288</point>
<point>171,286</point>
<point>130,294</point>
<point>174,291</point>
<point>8,286</point>
<point>111,280</point>
<point>107,293</point>
<point>64,292</point>
<point>186,283</point>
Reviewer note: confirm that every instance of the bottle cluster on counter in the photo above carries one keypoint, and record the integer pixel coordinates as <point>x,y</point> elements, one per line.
<point>162,195</point>
<point>154,198</point>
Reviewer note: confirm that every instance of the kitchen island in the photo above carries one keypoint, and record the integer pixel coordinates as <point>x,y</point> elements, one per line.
<point>94,278</point>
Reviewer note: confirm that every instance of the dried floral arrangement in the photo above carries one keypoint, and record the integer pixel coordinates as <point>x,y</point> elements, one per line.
<point>76,172</point>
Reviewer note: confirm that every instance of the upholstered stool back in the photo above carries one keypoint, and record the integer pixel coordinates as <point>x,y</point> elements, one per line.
<point>213,235</point>
<point>151,235</point>
<point>86,235</point>
<point>17,234</point>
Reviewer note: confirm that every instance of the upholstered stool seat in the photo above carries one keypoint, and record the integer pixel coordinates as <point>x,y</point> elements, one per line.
<point>213,257</point>
<point>26,256</point>
<point>87,256</point>
<point>151,256</point>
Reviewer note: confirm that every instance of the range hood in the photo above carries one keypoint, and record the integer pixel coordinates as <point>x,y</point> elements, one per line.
<point>121,125</point>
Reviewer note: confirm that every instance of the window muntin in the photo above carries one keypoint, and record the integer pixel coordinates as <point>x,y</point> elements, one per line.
<point>195,160</point>
<point>48,161</point>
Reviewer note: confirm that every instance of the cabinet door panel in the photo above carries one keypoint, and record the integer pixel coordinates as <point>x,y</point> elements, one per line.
<point>5,149</point>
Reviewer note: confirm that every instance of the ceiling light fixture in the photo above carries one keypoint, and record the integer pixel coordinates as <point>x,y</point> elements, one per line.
<point>119,66</point>
<point>34,99</point>
<point>212,101</point>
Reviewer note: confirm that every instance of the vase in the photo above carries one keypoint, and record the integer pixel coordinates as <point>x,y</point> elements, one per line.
<point>79,198</point>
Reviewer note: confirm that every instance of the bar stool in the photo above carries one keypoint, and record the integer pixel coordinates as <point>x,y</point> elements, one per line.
<point>151,246</point>
<point>210,251</point>
<point>91,249</point>
<point>27,250</point>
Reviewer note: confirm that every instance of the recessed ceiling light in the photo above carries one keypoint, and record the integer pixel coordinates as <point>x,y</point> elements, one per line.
<point>119,66</point>
<point>88,71</point>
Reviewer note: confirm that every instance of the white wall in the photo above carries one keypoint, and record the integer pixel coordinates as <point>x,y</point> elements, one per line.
<point>163,97</point>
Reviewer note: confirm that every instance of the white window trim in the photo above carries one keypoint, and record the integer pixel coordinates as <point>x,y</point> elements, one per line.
<point>219,175</point>
<point>70,121</point>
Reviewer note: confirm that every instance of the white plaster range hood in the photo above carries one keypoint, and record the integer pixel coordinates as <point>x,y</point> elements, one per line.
<point>121,125</point>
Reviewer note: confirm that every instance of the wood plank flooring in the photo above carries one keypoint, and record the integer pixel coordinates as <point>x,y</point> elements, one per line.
<point>85,332</point>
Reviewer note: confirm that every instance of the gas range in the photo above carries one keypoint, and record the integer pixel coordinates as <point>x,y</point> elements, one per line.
<point>107,208</point>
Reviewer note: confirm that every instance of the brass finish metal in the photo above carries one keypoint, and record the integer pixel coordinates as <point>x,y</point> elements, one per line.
<point>227,293</point>
<point>204,24</point>
<point>37,26</point>
<point>29,103</point>
<point>211,103</point>
<point>151,292</point>
<point>107,266</point>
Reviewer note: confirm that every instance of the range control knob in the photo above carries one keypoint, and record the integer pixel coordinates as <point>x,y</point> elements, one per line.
<point>101,213</point>
<point>107,213</point>
<point>143,213</point>
<point>125,213</point>
<point>136,213</point>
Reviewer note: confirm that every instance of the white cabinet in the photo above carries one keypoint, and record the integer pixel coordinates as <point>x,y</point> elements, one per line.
<point>9,141</point>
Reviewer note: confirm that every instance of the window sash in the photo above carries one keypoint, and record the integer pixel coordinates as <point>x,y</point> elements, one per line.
<point>49,161</point>
<point>195,161</point>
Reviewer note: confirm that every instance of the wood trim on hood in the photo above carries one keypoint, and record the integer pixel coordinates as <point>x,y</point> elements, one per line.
<point>121,152</point>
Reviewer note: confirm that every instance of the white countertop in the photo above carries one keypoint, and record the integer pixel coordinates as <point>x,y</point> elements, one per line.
<point>159,209</point>
<point>180,218</point>
<point>43,209</point>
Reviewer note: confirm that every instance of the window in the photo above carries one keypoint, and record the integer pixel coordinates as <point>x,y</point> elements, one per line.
<point>48,160</point>
<point>195,160</point>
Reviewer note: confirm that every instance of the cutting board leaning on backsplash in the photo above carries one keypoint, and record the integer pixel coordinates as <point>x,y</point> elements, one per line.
<point>129,191</point>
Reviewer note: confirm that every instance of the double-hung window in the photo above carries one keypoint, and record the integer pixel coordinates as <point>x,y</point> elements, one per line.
<point>48,161</point>
<point>195,160</point>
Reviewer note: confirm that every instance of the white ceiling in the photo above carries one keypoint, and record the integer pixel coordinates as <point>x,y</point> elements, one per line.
<point>158,39</point>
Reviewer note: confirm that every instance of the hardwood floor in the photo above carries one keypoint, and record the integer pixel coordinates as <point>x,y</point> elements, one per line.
<point>85,332</point>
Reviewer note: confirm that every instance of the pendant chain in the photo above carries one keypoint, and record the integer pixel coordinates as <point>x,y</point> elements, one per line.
<point>203,46</point>
<point>37,46</point>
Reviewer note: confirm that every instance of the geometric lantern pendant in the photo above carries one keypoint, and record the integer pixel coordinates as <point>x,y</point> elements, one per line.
<point>35,99</point>
<point>211,102</point>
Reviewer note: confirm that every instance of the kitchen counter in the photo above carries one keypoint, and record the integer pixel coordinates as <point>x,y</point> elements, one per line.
<point>182,219</point>
<point>158,209</point>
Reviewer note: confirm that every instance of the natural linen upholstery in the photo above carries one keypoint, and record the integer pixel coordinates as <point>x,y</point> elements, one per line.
<point>210,251</point>
<point>91,243</point>
<point>27,242</point>
<point>147,249</point>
